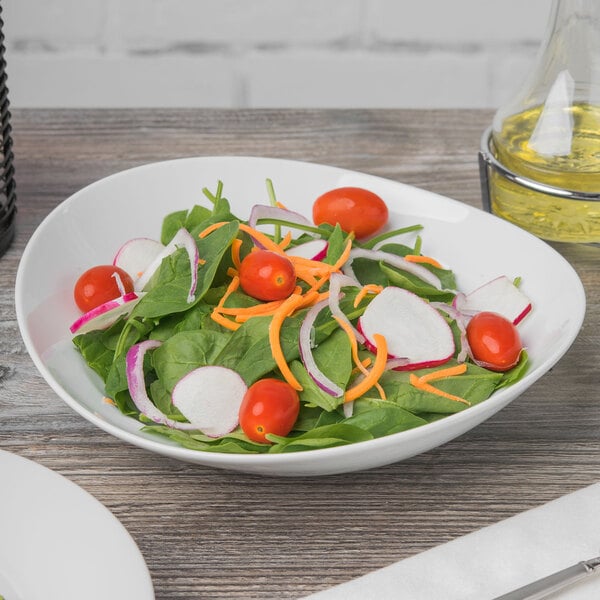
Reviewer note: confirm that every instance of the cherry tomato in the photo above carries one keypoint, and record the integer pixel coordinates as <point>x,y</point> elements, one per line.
<point>494,341</point>
<point>269,406</point>
<point>355,209</point>
<point>99,285</point>
<point>265,275</point>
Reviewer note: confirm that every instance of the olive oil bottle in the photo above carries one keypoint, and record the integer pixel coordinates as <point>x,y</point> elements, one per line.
<point>548,136</point>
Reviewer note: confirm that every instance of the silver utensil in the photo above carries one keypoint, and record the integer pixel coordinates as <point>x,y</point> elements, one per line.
<point>554,582</point>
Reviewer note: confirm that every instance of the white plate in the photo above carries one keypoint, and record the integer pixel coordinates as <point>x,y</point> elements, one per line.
<point>87,228</point>
<point>57,541</point>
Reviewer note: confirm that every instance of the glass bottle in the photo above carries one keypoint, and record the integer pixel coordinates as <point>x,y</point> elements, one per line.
<point>548,136</point>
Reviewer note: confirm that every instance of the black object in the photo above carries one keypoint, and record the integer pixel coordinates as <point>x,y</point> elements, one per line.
<point>8,196</point>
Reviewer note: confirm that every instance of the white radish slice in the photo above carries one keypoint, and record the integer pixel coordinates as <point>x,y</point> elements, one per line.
<point>412,328</point>
<point>134,370</point>
<point>399,262</point>
<point>313,250</point>
<point>103,316</point>
<point>499,295</point>
<point>305,341</point>
<point>136,255</point>
<point>210,398</point>
<point>183,238</point>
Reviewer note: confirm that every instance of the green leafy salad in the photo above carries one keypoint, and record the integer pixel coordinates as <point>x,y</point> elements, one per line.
<point>277,333</point>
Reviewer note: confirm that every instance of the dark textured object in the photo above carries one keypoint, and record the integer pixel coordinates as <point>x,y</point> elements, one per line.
<point>8,197</point>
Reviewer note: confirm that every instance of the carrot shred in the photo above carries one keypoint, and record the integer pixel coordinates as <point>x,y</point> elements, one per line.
<point>287,307</point>
<point>217,317</point>
<point>108,400</point>
<point>370,288</point>
<point>422,382</point>
<point>280,205</point>
<point>343,257</point>
<point>261,238</point>
<point>201,261</point>
<point>360,365</point>
<point>374,374</point>
<point>211,228</point>
<point>235,253</point>
<point>419,258</point>
<point>285,242</point>
<point>443,373</point>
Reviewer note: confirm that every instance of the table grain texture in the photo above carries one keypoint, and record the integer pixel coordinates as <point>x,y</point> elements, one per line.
<point>207,533</point>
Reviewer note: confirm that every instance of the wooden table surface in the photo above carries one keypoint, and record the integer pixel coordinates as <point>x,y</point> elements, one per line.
<point>207,533</point>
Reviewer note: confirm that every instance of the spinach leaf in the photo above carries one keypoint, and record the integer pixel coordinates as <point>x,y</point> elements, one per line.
<point>326,436</point>
<point>169,294</point>
<point>98,347</point>
<point>190,220</point>
<point>381,417</point>
<point>186,351</point>
<point>475,385</point>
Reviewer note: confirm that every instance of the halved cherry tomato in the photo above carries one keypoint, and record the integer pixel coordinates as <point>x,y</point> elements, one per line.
<point>265,275</point>
<point>494,341</point>
<point>355,209</point>
<point>269,406</point>
<point>99,285</point>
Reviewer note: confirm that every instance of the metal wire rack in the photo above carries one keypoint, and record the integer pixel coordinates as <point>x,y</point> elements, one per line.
<point>8,196</point>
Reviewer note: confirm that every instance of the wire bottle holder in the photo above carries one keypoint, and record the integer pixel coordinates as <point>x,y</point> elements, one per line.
<point>8,196</point>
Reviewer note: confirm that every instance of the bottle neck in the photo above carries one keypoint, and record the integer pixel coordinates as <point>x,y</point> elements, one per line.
<point>572,46</point>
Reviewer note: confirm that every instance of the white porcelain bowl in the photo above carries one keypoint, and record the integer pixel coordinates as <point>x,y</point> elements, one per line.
<point>87,228</point>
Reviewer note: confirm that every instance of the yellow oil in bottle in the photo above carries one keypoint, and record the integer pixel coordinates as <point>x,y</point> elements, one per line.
<point>557,147</point>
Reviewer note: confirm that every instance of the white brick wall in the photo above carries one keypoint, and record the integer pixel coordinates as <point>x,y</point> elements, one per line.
<point>269,53</point>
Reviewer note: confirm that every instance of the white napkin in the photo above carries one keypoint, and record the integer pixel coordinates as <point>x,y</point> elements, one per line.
<point>494,560</point>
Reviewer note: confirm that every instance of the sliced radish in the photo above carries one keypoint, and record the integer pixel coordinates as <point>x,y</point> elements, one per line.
<point>305,335</point>
<point>412,328</point>
<point>134,370</point>
<point>103,316</point>
<point>209,398</point>
<point>397,261</point>
<point>136,255</point>
<point>499,295</point>
<point>182,239</point>
<point>313,250</point>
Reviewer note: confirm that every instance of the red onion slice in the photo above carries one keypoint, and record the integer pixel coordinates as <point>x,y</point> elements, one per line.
<point>262,211</point>
<point>336,282</point>
<point>134,364</point>
<point>306,354</point>
<point>398,262</point>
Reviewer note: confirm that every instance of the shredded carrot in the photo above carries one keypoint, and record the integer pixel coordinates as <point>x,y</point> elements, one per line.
<point>108,400</point>
<point>231,272</point>
<point>261,238</point>
<point>443,373</point>
<point>216,314</point>
<point>285,242</point>
<point>280,205</point>
<point>422,383</point>
<point>360,365</point>
<point>201,261</point>
<point>217,317</point>
<point>370,288</point>
<point>235,253</point>
<point>211,228</point>
<point>289,305</point>
<point>374,374</point>
<point>418,258</point>
<point>343,257</point>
